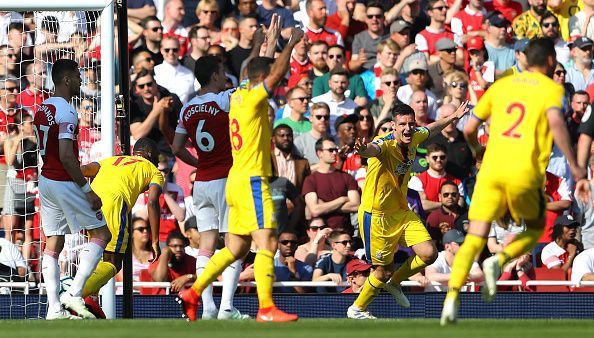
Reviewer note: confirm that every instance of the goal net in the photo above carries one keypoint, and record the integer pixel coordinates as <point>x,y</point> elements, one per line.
<point>33,35</point>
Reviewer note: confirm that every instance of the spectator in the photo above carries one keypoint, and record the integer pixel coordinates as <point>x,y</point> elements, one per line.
<point>152,34</point>
<point>441,269</point>
<point>527,24</point>
<point>300,64</point>
<point>365,42</point>
<point>427,39</point>
<point>580,24</point>
<point>456,92</point>
<point>246,8</point>
<point>415,69</point>
<point>446,51</point>
<point>297,101</point>
<point>420,104</point>
<point>270,7</point>
<point>332,267</point>
<point>449,216</point>
<point>365,126</point>
<point>459,158</point>
<point>172,75</point>
<point>346,132</point>
<point>586,213</point>
<point>199,44</point>
<point>468,22</point>
<point>381,106</point>
<point>559,254</point>
<point>521,62</point>
<point>286,266</point>
<point>317,246</point>
<point>171,203</point>
<point>502,233</point>
<point>286,162</point>
<point>88,133</point>
<point>247,26</point>
<point>191,232</point>
<point>174,265</point>
<point>337,58</point>
<point>140,9</point>
<point>549,25</point>
<point>429,182</point>
<point>481,72</point>
<point>509,8</point>
<point>329,193</point>
<point>20,40</point>
<point>521,269</point>
<point>317,54</point>
<point>344,23</point>
<point>230,33</point>
<point>9,61</point>
<point>580,105</point>
<point>580,75</point>
<point>141,59</point>
<point>400,33</point>
<point>500,54</point>
<point>173,27</point>
<point>316,28</point>
<point>583,267</point>
<point>387,53</point>
<point>153,111</point>
<point>142,254</point>
<point>32,97</point>
<point>336,99</point>
<point>208,12</point>
<point>12,265</point>
<point>320,127</point>
<point>357,272</point>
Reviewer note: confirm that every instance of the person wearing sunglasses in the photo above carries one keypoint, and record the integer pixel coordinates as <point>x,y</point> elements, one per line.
<point>382,105</point>
<point>581,54</point>
<point>152,35</point>
<point>457,90</point>
<point>550,28</point>
<point>317,246</point>
<point>298,103</point>
<point>446,51</point>
<point>415,69</point>
<point>385,218</point>
<point>333,267</point>
<point>449,215</point>
<point>365,43</point>
<point>527,24</point>
<point>320,127</point>
<point>172,75</point>
<point>439,12</point>
<point>288,268</point>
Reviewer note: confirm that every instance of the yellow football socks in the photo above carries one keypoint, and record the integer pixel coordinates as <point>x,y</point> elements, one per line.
<point>463,261</point>
<point>519,246</point>
<point>264,275</point>
<point>102,274</point>
<point>370,290</point>
<point>219,262</point>
<point>412,265</point>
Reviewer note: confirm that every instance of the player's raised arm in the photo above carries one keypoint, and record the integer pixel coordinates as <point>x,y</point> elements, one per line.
<point>281,64</point>
<point>562,140</point>
<point>437,126</point>
<point>365,149</point>
<point>91,169</point>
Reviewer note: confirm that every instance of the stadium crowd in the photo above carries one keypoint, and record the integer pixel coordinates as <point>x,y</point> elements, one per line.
<point>359,59</point>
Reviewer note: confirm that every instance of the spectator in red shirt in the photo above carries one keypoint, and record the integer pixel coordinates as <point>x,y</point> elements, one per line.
<point>481,72</point>
<point>447,215</point>
<point>468,22</point>
<point>300,63</point>
<point>330,193</point>
<point>429,182</point>
<point>34,94</point>
<point>357,272</point>
<point>437,29</point>
<point>510,9</point>
<point>174,265</point>
<point>172,24</point>
<point>316,28</point>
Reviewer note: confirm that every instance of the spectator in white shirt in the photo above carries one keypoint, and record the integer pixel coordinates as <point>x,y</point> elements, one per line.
<point>583,267</point>
<point>11,259</point>
<point>415,69</point>
<point>337,101</point>
<point>172,75</point>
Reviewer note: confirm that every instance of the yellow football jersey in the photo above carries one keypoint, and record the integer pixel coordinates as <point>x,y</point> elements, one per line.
<point>386,181</point>
<point>520,139</point>
<point>126,177</point>
<point>250,132</point>
<point>567,9</point>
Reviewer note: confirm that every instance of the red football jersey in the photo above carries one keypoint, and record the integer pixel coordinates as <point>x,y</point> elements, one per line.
<point>55,119</point>
<point>205,120</point>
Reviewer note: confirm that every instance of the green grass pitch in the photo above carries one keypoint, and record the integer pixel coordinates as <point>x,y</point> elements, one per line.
<point>306,328</point>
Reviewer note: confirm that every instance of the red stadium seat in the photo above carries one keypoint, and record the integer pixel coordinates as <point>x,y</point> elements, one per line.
<point>550,274</point>
<point>145,276</point>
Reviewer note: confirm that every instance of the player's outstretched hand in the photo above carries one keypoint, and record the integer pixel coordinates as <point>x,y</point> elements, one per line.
<point>583,191</point>
<point>156,251</point>
<point>94,200</point>
<point>360,145</point>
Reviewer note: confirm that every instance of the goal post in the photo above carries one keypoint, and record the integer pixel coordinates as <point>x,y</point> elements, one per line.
<point>103,99</point>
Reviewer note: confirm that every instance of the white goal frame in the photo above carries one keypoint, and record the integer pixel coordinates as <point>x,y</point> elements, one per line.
<point>106,7</point>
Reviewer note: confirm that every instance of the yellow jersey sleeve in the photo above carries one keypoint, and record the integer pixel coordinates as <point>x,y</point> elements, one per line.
<point>156,177</point>
<point>256,95</point>
<point>554,97</point>
<point>380,141</point>
<point>420,135</point>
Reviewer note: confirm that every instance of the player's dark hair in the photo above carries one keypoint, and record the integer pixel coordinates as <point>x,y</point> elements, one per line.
<point>63,67</point>
<point>447,182</point>
<point>337,233</point>
<point>50,24</point>
<point>16,25</point>
<point>176,235</point>
<point>258,66</point>
<point>538,52</point>
<point>402,109</point>
<point>147,147</point>
<point>435,147</point>
<point>205,67</point>
<point>281,126</point>
<point>320,142</point>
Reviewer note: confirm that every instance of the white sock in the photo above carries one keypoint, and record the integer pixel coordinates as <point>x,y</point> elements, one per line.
<point>89,256</point>
<point>230,279</point>
<point>208,304</point>
<point>51,278</point>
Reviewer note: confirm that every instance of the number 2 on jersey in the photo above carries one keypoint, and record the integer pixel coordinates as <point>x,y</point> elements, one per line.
<point>236,139</point>
<point>516,106</point>
<point>41,137</point>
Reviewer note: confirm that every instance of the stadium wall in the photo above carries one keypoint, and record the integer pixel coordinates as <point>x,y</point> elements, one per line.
<point>423,305</point>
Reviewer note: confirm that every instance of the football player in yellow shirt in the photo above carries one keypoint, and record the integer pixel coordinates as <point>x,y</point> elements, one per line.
<point>385,220</point>
<point>119,180</point>
<point>251,210</point>
<point>525,113</point>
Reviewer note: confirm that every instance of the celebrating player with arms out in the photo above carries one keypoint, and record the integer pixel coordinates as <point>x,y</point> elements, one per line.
<point>119,180</point>
<point>385,219</point>
<point>251,210</point>
<point>525,114</point>
<point>68,204</point>
<point>205,121</point>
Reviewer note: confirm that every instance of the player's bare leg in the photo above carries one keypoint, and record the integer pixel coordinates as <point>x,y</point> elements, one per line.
<point>264,274</point>
<point>473,244</point>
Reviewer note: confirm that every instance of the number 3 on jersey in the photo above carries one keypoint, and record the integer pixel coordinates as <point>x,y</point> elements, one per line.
<point>236,140</point>
<point>41,137</point>
<point>512,109</point>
